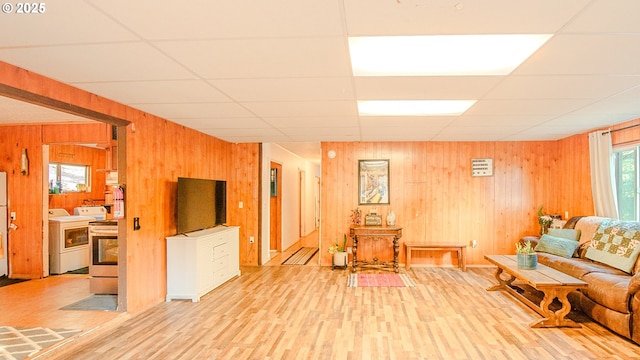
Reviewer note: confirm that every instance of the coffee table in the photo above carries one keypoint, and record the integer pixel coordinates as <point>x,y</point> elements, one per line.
<point>553,283</point>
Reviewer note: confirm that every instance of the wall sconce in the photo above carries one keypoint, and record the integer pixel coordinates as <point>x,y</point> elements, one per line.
<point>24,163</point>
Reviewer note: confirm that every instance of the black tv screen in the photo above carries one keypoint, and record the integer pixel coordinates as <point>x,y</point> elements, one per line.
<point>201,204</point>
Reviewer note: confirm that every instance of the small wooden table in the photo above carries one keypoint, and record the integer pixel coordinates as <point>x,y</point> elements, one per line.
<point>459,248</point>
<point>361,232</point>
<point>553,283</point>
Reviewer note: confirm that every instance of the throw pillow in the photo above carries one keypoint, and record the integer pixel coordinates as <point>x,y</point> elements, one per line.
<point>571,234</point>
<point>615,243</point>
<point>557,246</point>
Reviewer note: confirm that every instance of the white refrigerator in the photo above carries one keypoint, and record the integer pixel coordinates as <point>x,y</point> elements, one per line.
<point>4,268</point>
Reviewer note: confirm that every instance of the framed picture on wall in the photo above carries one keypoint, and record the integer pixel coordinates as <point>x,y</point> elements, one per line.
<point>373,182</point>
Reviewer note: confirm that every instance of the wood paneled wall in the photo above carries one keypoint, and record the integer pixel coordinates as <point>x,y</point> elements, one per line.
<point>436,199</point>
<point>157,152</point>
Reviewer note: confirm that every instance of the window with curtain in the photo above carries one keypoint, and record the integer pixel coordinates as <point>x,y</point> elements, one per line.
<point>627,186</point>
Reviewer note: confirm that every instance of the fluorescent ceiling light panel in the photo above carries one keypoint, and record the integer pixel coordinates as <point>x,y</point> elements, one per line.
<point>413,107</point>
<point>441,55</point>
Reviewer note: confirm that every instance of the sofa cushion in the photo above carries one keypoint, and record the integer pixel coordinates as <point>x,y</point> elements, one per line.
<point>557,246</point>
<point>616,243</point>
<point>608,290</point>
<point>576,267</point>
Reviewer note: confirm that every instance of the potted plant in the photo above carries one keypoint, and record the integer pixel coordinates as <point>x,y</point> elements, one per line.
<point>526,256</point>
<point>339,252</point>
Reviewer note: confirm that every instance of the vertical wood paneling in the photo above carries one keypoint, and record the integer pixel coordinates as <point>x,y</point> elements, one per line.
<point>158,151</point>
<point>437,200</point>
<point>25,198</point>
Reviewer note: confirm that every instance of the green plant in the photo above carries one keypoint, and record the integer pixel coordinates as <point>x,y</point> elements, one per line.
<point>335,247</point>
<point>524,248</point>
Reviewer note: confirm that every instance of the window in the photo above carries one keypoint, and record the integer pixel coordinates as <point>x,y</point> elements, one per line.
<point>69,178</point>
<point>627,186</point>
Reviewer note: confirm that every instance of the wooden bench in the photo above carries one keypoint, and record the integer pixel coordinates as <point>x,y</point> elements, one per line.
<point>459,248</point>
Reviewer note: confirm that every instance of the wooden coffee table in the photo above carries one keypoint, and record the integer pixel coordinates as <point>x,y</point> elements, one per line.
<point>553,283</point>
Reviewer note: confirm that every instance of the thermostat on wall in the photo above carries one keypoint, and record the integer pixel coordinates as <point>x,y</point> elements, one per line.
<point>481,167</point>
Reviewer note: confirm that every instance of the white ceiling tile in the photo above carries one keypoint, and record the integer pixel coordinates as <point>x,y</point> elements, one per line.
<point>97,62</point>
<point>406,17</point>
<point>562,87</point>
<point>430,87</point>
<point>262,58</point>
<point>195,110</point>
<point>595,54</point>
<point>224,123</point>
<point>304,122</point>
<point>287,89</point>
<point>303,109</point>
<point>621,17</point>
<point>154,19</point>
<point>16,112</point>
<point>526,107</point>
<point>63,22</point>
<point>169,91</point>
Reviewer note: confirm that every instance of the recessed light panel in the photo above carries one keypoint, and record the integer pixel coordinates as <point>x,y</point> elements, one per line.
<point>413,107</point>
<point>441,55</point>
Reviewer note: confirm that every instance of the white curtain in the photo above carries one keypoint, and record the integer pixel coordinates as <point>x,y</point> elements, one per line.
<point>603,185</point>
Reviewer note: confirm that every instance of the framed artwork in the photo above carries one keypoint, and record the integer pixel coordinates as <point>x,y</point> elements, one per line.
<point>373,182</point>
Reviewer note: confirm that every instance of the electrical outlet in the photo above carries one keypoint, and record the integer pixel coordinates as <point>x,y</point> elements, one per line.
<point>349,250</point>
<point>251,240</point>
<point>474,243</point>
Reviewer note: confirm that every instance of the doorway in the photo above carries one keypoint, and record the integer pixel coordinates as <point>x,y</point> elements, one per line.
<point>275,206</point>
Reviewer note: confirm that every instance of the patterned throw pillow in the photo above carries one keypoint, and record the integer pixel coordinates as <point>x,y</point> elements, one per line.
<point>615,243</point>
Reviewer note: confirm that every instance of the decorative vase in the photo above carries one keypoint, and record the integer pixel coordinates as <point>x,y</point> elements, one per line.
<point>391,218</point>
<point>527,261</point>
<point>340,259</point>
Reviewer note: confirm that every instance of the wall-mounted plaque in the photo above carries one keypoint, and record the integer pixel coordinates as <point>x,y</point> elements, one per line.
<point>481,167</point>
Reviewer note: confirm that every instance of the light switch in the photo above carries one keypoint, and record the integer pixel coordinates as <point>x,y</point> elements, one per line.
<point>240,205</point>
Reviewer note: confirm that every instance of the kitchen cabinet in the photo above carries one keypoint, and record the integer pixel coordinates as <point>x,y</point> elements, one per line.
<point>200,261</point>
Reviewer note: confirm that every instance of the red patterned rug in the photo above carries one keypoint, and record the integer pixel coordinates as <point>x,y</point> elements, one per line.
<point>379,280</point>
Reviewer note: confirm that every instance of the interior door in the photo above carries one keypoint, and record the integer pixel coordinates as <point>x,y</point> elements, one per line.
<point>275,177</point>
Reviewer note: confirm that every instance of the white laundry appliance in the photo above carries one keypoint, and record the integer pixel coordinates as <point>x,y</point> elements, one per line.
<point>68,241</point>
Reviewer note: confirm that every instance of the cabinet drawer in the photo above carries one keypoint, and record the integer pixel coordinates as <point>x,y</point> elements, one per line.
<point>220,264</point>
<point>221,250</point>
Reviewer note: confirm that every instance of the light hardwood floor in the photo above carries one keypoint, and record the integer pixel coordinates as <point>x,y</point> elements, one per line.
<point>308,312</point>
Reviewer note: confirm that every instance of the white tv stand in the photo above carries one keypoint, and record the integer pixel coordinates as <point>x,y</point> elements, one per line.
<point>201,261</point>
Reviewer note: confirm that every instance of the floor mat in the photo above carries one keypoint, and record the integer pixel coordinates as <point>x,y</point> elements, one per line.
<point>95,302</point>
<point>19,343</point>
<point>301,257</point>
<point>379,280</point>
<point>5,281</point>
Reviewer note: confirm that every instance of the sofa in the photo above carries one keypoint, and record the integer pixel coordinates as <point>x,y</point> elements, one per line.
<point>604,253</point>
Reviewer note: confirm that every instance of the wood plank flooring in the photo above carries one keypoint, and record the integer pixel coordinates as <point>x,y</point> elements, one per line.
<point>37,303</point>
<point>307,312</point>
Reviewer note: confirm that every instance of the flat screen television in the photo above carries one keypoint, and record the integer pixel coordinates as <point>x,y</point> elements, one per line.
<point>201,204</point>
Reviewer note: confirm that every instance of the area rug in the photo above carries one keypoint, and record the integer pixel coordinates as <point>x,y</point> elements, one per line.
<point>19,343</point>
<point>379,280</point>
<point>5,281</point>
<point>301,257</point>
<point>95,302</point>
<point>84,270</point>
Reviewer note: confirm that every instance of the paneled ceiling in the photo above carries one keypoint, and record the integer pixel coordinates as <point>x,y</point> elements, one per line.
<point>278,71</point>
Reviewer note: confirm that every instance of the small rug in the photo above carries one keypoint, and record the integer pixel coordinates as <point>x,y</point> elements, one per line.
<point>95,302</point>
<point>19,343</point>
<point>379,280</point>
<point>84,270</point>
<point>4,281</point>
<point>301,257</point>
